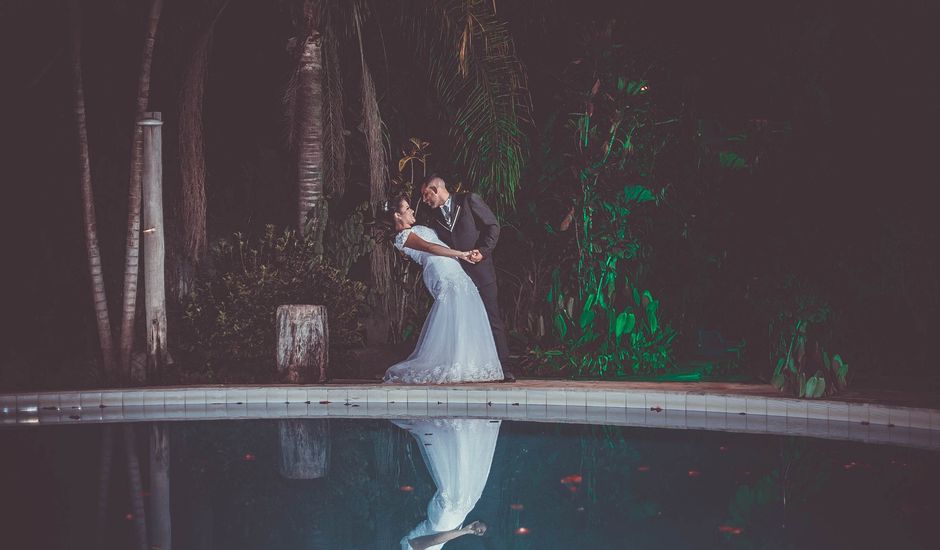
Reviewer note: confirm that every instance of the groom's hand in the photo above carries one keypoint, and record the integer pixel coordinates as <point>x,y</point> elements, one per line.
<point>476,256</point>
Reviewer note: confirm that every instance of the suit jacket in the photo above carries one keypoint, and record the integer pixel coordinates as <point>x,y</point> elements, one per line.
<point>475,227</point>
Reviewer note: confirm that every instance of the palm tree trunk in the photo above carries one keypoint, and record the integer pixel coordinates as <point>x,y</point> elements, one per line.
<point>381,256</point>
<point>311,209</point>
<point>88,201</point>
<point>193,157</point>
<point>132,259</point>
<point>160,524</point>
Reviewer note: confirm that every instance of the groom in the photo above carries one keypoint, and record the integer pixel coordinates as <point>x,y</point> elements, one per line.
<point>464,222</point>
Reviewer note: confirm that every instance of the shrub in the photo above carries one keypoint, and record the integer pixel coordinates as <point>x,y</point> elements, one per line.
<point>231,315</point>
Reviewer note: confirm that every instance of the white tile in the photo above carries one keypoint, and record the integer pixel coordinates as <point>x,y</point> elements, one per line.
<point>696,402</point>
<point>48,401</point>
<point>555,398</point>
<point>234,396</point>
<point>838,412</point>
<point>596,415</point>
<point>655,400</point>
<point>536,397</point>
<point>476,397</point>
<point>900,417</point>
<point>616,399</point>
<point>556,412</point>
<point>477,410</point>
<point>437,396</point>
<point>817,410</point>
<point>796,408</point>
<point>357,395</point>
<point>437,409</point>
<point>857,430</point>
<point>316,396</point>
<point>358,409</point>
<point>736,422</point>
<point>776,407</point>
<point>716,404</point>
<point>194,398</point>
<point>174,411</point>
<point>899,435</point>
<point>617,416</point>
<point>90,400</point>
<point>636,399</point>
<point>236,409</point>
<point>276,396</point>
<point>756,405</point>
<point>417,395</point>
<point>173,398</point>
<point>879,433</point>
<point>736,405</point>
<point>516,398</point>
<point>878,414</point>
<point>798,425</point>
<point>575,398</point>
<point>920,418</point>
<point>496,410</point>
<point>456,407</point>
<point>716,420</point>
<point>255,396</point>
<point>133,398</point>
<point>935,420</point>
<point>656,419</point>
<point>576,414</point>
<point>29,402</point>
<point>839,429</point>
<point>696,419</point>
<point>152,398</point>
<point>858,412</point>
<point>376,407</point>
<point>70,400</point>
<point>675,417</point>
<point>112,414</point>
<point>457,397</point>
<point>213,396</point>
<point>377,395</point>
<point>398,408</point>
<point>8,403</point>
<point>595,398</point>
<point>296,396</point>
<point>776,424</point>
<point>675,402</point>
<point>817,427</point>
<point>756,422</point>
<point>496,397</point>
<point>418,407</point>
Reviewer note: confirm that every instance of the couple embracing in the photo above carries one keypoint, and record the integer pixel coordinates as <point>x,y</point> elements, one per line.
<point>463,338</point>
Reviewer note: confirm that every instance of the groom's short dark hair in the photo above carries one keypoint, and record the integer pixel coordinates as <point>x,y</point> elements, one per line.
<point>427,181</point>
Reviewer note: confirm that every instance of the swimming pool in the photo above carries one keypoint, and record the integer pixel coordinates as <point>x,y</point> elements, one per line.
<point>367,483</point>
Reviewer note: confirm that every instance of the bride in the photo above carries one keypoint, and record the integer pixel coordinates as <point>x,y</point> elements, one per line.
<point>456,343</point>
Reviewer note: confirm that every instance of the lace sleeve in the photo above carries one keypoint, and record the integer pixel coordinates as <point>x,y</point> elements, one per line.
<point>402,237</point>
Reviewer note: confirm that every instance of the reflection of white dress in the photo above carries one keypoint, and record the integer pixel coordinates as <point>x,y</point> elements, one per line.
<point>458,453</point>
<point>456,342</point>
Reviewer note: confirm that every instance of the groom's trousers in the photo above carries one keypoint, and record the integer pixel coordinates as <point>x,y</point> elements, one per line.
<point>489,295</point>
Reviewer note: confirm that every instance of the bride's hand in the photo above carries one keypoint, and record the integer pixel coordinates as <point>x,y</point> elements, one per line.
<point>465,256</point>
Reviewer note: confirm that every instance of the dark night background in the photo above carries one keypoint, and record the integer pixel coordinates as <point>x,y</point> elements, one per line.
<point>851,206</point>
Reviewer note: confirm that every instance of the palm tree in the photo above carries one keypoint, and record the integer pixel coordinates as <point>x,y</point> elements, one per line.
<point>132,259</point>
<point>88,203</point>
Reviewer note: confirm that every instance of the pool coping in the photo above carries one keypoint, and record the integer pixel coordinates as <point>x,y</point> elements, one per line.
<point>544,401</point>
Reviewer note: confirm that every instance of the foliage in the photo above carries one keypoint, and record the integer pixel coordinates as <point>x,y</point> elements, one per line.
<point>605,322</point>
<point>231,315</point>
<point>800,335</point>
<point>348,241</point>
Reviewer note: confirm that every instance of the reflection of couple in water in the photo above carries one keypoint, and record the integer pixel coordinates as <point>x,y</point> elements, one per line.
<point>458,453</point>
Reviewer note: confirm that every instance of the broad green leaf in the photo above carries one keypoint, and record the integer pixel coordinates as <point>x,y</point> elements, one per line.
<point>638,193</point>
<point>625,323</point>
<point>587,317</point>
<point>561,325</point>
<point>654,322</point>
<point>810,389</point>
<point>730,159</point>
<point>778,381</point>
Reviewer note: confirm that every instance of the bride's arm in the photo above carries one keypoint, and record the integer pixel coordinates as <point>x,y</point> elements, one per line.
<point>427,541</point>
<point>417,243</point>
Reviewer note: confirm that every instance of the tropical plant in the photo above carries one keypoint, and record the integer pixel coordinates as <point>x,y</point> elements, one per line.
<point>604,320</point>
<point>88,205</point>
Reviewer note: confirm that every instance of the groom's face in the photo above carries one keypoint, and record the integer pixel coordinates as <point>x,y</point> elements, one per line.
<point>434,194</point>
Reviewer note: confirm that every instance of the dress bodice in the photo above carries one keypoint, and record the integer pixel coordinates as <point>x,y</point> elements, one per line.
<point>426,233</point>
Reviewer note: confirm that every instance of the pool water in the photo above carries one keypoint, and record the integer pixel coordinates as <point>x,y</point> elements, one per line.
<point>365,484</point>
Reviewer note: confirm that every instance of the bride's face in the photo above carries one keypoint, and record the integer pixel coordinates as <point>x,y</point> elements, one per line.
<point>405,214</point>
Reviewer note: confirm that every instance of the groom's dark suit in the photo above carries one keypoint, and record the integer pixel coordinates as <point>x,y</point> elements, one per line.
<point>473,226</point>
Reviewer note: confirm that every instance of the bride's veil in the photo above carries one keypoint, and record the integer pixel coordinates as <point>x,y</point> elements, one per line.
<point>458,453</point>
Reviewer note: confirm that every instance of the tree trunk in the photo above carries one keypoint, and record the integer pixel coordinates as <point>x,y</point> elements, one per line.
<point>160,531</point>
<point>302,343</point>
<point>311,206</point>
<point>154,244</point>
<point>104,476</point>
<point>88,200</point>
<point>380,256</point>
<point>136,487</point>
<point>305,448</point>
<point>132,260</point>
<point>193,157</point>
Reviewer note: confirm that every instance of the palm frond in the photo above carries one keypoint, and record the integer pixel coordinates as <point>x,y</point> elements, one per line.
<point>473,66</point>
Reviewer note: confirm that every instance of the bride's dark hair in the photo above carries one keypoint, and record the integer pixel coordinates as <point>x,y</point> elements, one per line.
<point>388,209</point>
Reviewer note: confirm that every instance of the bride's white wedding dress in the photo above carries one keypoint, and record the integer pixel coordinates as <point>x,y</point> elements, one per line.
<point>458,453</point>
<point>456,342</point>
